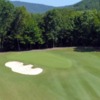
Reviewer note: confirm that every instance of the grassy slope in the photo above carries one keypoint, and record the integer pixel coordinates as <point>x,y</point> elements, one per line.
<point>67,75</point>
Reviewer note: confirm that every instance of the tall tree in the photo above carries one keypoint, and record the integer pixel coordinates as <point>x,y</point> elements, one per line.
<point>51,27</point>
<point>18,26</point>
<point>6,16</point>
<point>32,34</point>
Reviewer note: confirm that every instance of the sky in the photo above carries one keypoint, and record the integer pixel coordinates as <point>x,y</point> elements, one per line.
<point>52,2</point>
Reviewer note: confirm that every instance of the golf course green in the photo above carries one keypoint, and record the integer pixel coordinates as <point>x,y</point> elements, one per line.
<point>67,75</point>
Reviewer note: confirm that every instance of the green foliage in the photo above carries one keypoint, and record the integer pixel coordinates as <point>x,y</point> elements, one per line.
<point>20,30</point>
<point>87,4</point>
<point>52,24</point>
<point>6,16</point>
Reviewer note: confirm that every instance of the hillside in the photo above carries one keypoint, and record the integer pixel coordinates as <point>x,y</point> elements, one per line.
<point>87,4</point>
<point>40,8</point>
<point>32,7</point>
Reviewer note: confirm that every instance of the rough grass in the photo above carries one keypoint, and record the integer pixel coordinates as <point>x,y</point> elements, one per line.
<point>68,75</point>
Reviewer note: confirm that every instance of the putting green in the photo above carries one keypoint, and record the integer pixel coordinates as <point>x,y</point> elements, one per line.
<point>67,75</point>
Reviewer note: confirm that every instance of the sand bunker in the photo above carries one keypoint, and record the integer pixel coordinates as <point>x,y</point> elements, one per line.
<point>19,67</point>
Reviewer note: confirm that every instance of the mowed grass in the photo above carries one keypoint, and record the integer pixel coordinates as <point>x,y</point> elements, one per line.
<point>67,75</point>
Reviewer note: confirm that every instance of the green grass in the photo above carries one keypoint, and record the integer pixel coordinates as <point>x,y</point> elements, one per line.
<point>67,75</point>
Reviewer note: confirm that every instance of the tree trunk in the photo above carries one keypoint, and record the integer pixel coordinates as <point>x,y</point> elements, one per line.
<point>18,45</point>
<point>1,47</point>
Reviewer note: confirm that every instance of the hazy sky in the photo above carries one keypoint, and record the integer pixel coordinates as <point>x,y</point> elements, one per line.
<point>52,2</point>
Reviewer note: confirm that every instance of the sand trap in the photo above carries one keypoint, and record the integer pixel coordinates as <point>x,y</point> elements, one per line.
<point>19,67</point>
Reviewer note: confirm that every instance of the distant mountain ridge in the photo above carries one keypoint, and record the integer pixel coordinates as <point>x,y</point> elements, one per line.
<point>87,4</point>
<point>32,7</point>
<point>40,8</point>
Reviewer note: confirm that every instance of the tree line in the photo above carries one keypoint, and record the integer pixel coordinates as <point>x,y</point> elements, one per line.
<point>20,30</point>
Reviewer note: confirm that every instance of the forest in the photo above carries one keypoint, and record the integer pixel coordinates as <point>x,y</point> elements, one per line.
<point>21,30</point>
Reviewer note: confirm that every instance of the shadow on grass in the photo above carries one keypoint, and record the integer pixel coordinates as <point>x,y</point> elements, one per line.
<point>87,49</point>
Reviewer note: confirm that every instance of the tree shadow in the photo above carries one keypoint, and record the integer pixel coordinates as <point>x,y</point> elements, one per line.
<point>87,49</point>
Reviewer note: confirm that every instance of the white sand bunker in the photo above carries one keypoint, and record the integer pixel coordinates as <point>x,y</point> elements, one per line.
<point>19,67</point>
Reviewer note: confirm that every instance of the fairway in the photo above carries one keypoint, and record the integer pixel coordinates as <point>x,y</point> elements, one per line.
<point>67,75</point>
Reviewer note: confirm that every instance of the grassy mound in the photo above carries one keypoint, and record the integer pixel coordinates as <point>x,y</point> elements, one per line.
<point>68,75</point>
